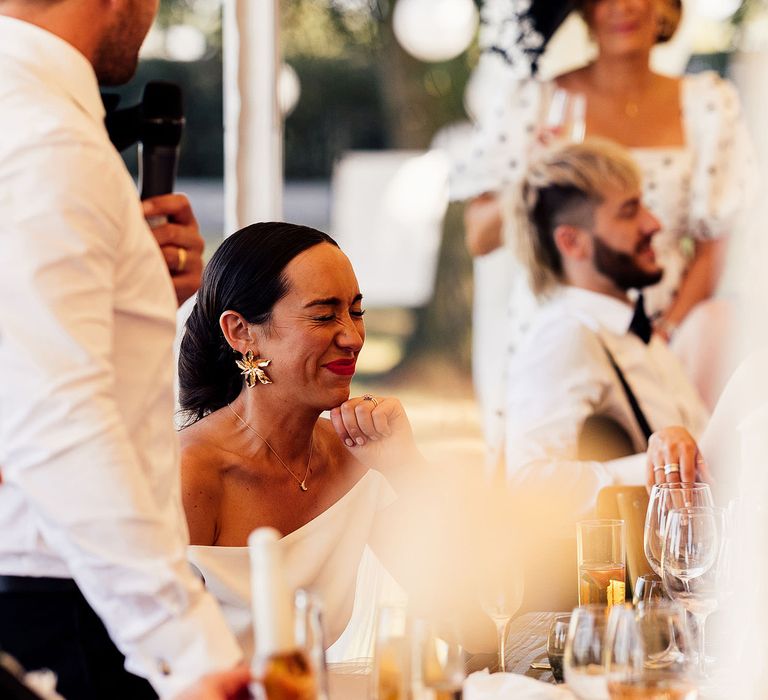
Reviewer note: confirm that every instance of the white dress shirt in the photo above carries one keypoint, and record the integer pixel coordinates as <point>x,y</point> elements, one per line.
<point>89,454</point>
<point>561,375</point>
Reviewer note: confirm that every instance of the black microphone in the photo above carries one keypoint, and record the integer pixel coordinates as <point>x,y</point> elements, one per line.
<point>162,122</point>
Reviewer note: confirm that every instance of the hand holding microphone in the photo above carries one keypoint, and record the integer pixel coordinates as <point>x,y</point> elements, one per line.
<point>169,215</point>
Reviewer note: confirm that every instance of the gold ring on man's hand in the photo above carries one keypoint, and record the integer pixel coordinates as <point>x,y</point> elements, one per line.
<point>182,260</point>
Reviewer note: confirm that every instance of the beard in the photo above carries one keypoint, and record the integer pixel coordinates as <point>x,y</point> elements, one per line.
<point>117,54</point>
<point>621,268</point>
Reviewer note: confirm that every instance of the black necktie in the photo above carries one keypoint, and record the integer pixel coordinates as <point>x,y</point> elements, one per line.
<point>641,324</point>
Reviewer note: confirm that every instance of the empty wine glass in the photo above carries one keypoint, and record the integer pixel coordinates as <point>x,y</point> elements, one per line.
<point>638,660</point>
<point>648,588</point>
<point>501,595</point>
<point>583,662</point>
<point>691,560</point>
<point>663,498</point>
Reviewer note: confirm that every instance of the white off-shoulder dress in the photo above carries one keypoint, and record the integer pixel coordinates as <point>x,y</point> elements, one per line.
<point>328,555</point>
<point>697,191</point>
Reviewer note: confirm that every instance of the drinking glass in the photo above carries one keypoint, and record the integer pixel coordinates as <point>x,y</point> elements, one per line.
<point>501,594</point>
<point>556,638</point>
<point>308,617</point>
<point>583,664</point>
<point>638,659</point>
<point>601,556</point>
<point>440,660</point>
<point>664,497</point>
<point>562,116</point>
<point>692,562</point>
<point>648,588</point>
<point>391,668</point>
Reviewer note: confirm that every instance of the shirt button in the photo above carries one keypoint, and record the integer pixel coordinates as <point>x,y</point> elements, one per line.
<point>164,667</point>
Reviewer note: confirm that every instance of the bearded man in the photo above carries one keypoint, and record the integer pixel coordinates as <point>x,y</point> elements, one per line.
<point>93,570</point>
<point>590,381</point>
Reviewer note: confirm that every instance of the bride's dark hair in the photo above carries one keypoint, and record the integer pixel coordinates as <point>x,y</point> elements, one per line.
<point>245,274</point>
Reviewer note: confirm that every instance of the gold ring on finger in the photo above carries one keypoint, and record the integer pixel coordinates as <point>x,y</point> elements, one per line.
<point>182,260</point>
<point>370,397</point>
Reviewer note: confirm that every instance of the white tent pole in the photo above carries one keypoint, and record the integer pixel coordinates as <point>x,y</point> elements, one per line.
<point>253,172</point>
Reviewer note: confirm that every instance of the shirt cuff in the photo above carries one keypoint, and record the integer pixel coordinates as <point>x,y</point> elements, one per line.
<point>628,471</point>
<point>179,652</point>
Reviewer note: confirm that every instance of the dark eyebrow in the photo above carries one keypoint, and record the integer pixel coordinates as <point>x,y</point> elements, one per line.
<point>331,301</point>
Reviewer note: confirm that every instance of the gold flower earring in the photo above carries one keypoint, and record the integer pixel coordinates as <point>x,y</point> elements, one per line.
<point>253,369</point>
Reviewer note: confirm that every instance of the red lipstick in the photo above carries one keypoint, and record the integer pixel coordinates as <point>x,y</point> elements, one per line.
<point>345,368</point>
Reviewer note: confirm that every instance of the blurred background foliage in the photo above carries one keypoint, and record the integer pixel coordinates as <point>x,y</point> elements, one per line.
<point>359,91</point>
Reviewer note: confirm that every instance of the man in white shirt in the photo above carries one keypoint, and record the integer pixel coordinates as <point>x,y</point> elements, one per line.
<point>90,509</point>
<point>586,240</point>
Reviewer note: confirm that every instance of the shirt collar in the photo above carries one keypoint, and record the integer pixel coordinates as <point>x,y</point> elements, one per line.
<point>597,310</point>
<point>54,60</point>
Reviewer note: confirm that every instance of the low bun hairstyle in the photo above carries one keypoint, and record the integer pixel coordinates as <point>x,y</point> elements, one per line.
<point>246,274</point>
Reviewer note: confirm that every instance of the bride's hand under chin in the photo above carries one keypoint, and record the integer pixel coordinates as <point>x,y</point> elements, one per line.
<point>376,431</point>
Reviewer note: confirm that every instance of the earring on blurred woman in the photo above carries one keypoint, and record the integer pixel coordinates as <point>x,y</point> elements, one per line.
<point>253,369</point>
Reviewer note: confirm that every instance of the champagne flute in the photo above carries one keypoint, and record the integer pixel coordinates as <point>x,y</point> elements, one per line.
<point>691,559</point>
<point>501,595</point>
<point>663,498</point>
<point>584,650</point>
<point>562,116</point>
<point>635,641</point>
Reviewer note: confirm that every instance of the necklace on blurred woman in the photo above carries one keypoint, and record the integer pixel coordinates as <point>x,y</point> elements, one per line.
<point>301,482</point>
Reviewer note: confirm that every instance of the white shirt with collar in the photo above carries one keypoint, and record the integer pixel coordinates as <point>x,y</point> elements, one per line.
<point>89,453</point>
<point>560,376</point>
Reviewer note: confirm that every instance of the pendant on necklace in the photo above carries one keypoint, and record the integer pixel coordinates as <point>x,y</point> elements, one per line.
<point>303,485</point>
<point>631,109</point>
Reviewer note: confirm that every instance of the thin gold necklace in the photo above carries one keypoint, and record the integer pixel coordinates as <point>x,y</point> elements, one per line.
<point>301,482</point>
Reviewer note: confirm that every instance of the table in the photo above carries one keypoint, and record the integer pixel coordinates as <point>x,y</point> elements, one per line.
<point>526,643</point>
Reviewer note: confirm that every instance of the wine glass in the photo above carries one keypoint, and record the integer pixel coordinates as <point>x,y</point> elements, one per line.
<point>556,638</point>
<point>648,588</point>
<point>584,649</point>
<point>637,658</point>
<point>501,595</point>
<point>562,116</point>
<point>441,658</point>
<point>663,498</point>
<point>691,562</point>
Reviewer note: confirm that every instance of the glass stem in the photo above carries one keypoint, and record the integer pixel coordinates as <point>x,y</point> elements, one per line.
<point>701,623</point>
<point>501,631</point>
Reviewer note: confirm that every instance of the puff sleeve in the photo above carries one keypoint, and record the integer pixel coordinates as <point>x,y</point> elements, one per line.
<point>497,152</point>
<point>724,180</point>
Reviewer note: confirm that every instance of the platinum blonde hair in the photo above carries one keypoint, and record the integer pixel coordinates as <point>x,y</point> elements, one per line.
<point>562,187</point>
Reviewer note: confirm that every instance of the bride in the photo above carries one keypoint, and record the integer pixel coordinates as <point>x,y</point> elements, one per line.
<point>271,344</point>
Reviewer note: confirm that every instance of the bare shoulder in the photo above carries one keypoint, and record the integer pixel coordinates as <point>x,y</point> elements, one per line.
<point>203,463</point>
<point>576,80</point>
<point>667,84</point>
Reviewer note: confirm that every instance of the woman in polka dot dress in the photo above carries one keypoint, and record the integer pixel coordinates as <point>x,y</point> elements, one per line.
<point>688,137</point>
